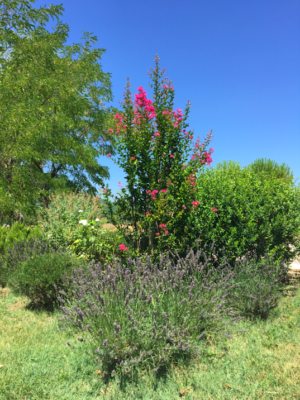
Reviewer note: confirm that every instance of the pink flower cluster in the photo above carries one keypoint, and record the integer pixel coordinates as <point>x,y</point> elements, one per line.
<point>195,203</point>
<point>123,247</point>
<point>118,117</point>
<point>163,226</point>
<point>178,118</point>
<point>167,87</point>
<point>153,194</point>
<point>214,209</point>
<point>143,102</point>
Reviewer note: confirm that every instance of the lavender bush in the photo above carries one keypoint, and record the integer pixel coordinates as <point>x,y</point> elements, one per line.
<point>261,284</point>
<point>146,314</point>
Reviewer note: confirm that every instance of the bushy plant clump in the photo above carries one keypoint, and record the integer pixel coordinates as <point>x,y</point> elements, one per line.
<point>63,216</point>
<point>62,228</point>
<point>260,286</point>
<point>92,242</point>
<point>20,252</point>
<point>37,276</point>
<point>245,214</point>
<point>145,315</point>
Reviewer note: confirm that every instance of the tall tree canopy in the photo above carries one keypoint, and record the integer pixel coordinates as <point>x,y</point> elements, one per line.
<point>266,168</point>
<point>51,107</point>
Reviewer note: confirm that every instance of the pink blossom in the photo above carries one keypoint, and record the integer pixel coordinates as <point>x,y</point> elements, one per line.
<point>193,157</point>
<point>171,155</point>
<point>147,212</point>
<point>191,137</point>
<point>123,247</point>
<point>162,225</point>
<point>163,191</point>
<point>166,231</point>
<point>110,130</point>
<point>132,158</point>
<point>184,166</point>
<point>108,154</point>
<point>157,234</point>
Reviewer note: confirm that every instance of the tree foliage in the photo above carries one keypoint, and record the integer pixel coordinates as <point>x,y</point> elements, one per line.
<point>52,121</point>
<point>265,168</point>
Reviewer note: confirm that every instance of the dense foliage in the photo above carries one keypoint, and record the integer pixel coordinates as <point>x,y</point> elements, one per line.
<point>61,227</point>
<point>17,232</point>
<point>21,251</point>
<point>51,111</point>
<point>253,215</point>
<point>36,276</point>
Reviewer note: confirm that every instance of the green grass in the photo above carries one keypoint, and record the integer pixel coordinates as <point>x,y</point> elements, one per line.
<point>36,363</point>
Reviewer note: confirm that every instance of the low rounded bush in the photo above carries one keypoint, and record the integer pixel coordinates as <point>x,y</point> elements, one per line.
<point>37,276</point>
<point>21,251</point>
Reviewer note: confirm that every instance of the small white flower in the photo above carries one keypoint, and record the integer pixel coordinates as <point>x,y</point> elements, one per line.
<point>97,219</point>
<point>83,221</point>
<point>80,211</point>
<point>92,227</point>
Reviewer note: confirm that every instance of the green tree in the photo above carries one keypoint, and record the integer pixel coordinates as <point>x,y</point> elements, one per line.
<point>51,112</point>
<point>265,168</point>
<point>271,168</point>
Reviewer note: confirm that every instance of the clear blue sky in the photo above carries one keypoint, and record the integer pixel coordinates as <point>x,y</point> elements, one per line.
<point>238,62</point>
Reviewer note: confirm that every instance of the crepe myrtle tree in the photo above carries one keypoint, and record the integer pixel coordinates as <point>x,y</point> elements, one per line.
<point>52,119</point>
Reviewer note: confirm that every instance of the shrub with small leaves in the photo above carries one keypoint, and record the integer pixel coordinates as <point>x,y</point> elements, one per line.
<point>146,314</point>
<point>21,251</point>
<point>37,276</point>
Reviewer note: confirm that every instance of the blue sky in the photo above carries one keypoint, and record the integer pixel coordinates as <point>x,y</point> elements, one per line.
<point>237,62</point>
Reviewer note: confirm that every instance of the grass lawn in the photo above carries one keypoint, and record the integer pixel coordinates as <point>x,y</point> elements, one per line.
<point>36,363</point>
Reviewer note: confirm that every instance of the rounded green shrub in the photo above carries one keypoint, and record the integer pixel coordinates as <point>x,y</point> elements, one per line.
<point>244,214</point>
<point>21,251</point>
<point>39,277</point>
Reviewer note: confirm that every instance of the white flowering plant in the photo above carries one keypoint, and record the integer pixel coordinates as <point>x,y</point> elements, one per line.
<point>92,242</point>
